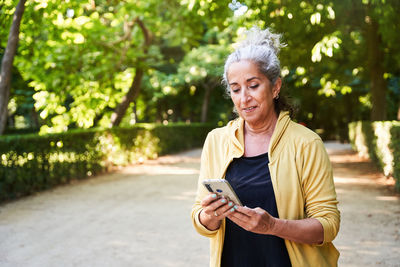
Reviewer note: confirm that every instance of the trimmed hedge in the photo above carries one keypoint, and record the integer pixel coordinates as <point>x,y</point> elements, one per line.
<point>380,141</point>
<point>31,163</point>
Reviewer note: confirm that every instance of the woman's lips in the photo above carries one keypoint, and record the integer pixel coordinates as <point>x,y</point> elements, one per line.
<point>249,109</point>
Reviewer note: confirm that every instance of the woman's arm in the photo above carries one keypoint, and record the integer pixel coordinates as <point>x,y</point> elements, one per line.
<point>203,217</point>
<point>320,200</point>
<point>307,231</point>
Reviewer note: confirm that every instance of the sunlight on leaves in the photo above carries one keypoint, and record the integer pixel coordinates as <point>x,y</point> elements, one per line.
<point>300,70</point>
<point>331,13</point>
<point>328,87</point>
<point>124,79</point>
<point>315,18</point>
<point>382,132</point>
<point>326,46</point>
<point>346,90</point>
<point>365,100</point>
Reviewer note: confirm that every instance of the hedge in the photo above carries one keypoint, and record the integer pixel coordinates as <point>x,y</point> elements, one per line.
<point>380,141</point>
<point>31,163</point>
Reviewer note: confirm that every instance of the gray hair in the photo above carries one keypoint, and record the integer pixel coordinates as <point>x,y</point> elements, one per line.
<point>262,48</point>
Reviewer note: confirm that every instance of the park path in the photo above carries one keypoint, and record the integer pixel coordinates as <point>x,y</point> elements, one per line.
<point>139,216</point>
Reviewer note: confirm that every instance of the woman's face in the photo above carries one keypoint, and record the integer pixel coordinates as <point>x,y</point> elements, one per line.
<point>252,92</point>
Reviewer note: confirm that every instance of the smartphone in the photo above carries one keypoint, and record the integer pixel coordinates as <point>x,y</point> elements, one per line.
<point>222,187</point>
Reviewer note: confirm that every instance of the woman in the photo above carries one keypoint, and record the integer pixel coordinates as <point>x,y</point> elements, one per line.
<point>279,169</point>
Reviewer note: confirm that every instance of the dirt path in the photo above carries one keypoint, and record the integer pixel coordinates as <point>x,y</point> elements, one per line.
<point>139,216</point>
<point>370,212</point>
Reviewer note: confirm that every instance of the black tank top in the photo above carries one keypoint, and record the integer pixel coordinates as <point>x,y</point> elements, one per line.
<point>251,180</point>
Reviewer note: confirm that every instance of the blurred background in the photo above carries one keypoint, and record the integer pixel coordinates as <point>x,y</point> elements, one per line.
<point>90,86</point>
<point>104,63</point>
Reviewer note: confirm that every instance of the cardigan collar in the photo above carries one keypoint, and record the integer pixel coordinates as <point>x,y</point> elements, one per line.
<point>236,133</point>
<point>280,128</point>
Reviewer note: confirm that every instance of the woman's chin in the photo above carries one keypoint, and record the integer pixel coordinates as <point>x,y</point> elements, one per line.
<point>250,118</point>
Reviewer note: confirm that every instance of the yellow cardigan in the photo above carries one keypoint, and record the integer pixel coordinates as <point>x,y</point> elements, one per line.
<point>302,179</point>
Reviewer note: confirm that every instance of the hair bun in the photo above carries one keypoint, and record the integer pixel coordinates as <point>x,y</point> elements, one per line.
<point>256,36</point>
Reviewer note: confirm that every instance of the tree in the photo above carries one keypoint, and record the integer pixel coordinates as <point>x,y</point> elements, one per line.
<point>201,69</point>
<point>335,62</point>
<point>134,89</point>
<point>93,63</point>
<point>376,69</point>
<point>7,63</point>
<point>85,56</point>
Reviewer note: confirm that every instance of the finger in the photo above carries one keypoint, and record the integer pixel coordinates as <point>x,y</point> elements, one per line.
<point>227,209</point>
<point>245,210</point>
<point>238,215</point>
<point>217,208</point>
<point>238,219</point>
<point>209,199</point>
<point>220,205</point>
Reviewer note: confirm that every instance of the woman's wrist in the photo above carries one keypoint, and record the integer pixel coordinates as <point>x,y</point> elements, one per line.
<point>275,226</point>
<point>208,221</point>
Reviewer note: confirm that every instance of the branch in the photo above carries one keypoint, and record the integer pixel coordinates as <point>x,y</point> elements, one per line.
<point>146,33</point>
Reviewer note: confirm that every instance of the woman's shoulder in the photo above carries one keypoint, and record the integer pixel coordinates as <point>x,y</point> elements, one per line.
<point>301,134</point>
<point>222,136</point>
<point>224,131</point>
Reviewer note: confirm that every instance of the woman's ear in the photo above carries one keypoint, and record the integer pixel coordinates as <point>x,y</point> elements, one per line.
<point>277,88</point>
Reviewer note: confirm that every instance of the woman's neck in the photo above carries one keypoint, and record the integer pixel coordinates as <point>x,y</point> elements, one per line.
<point>266,128</point>
<point>257,139</point>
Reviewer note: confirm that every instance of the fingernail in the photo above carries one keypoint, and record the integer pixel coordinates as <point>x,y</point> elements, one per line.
<point>235,207</point>
<point>214,195</point>
<point>223,200</point>
<point>230,204</point>
<point>232,209</point>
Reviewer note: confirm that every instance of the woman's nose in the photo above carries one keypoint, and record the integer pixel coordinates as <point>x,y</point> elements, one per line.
<point>245,97</point>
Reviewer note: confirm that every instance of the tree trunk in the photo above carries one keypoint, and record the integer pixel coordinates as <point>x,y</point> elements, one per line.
<point>134,90</point>
<point>206,102</point>
<point>398,113</point>
<point>376,70</point>
<point>7,64</point>
<point>34,119</point>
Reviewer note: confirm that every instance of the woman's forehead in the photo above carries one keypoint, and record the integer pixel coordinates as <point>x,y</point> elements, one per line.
<point>244,69</point>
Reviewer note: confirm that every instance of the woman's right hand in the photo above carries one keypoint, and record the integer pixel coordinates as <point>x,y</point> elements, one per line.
<point>215,208</point>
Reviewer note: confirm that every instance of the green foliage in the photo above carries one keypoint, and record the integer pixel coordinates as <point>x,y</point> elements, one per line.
<point>324,64</point>
<point>31,163</point>
<point>178,96</point>
<point>180,136</point>
<point>79,59</point>
<point>380,141</point>
<point>395,147</point>
<point>80,56</point>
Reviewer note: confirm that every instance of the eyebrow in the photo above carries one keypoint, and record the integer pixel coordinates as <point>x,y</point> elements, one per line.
<point>248,80</point>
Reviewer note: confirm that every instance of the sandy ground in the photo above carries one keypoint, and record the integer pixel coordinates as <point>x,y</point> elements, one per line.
<point>370,212</point>
<point>139,216</point>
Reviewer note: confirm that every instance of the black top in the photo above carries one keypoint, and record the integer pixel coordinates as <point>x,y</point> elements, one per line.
<point>251,180</point>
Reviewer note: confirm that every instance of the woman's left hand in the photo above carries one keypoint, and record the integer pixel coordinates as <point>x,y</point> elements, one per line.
<point>254,220</point>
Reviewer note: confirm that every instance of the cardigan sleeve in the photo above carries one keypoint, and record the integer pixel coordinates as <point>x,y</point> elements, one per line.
<point>202,192</point>
<point>319,189</point>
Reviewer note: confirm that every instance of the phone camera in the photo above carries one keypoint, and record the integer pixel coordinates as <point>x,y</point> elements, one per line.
<point>219,190</point>
<point>208,187</point>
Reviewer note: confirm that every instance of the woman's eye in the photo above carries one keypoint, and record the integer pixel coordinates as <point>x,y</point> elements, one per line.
<point>235,90</point>
<point>254,86</point>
